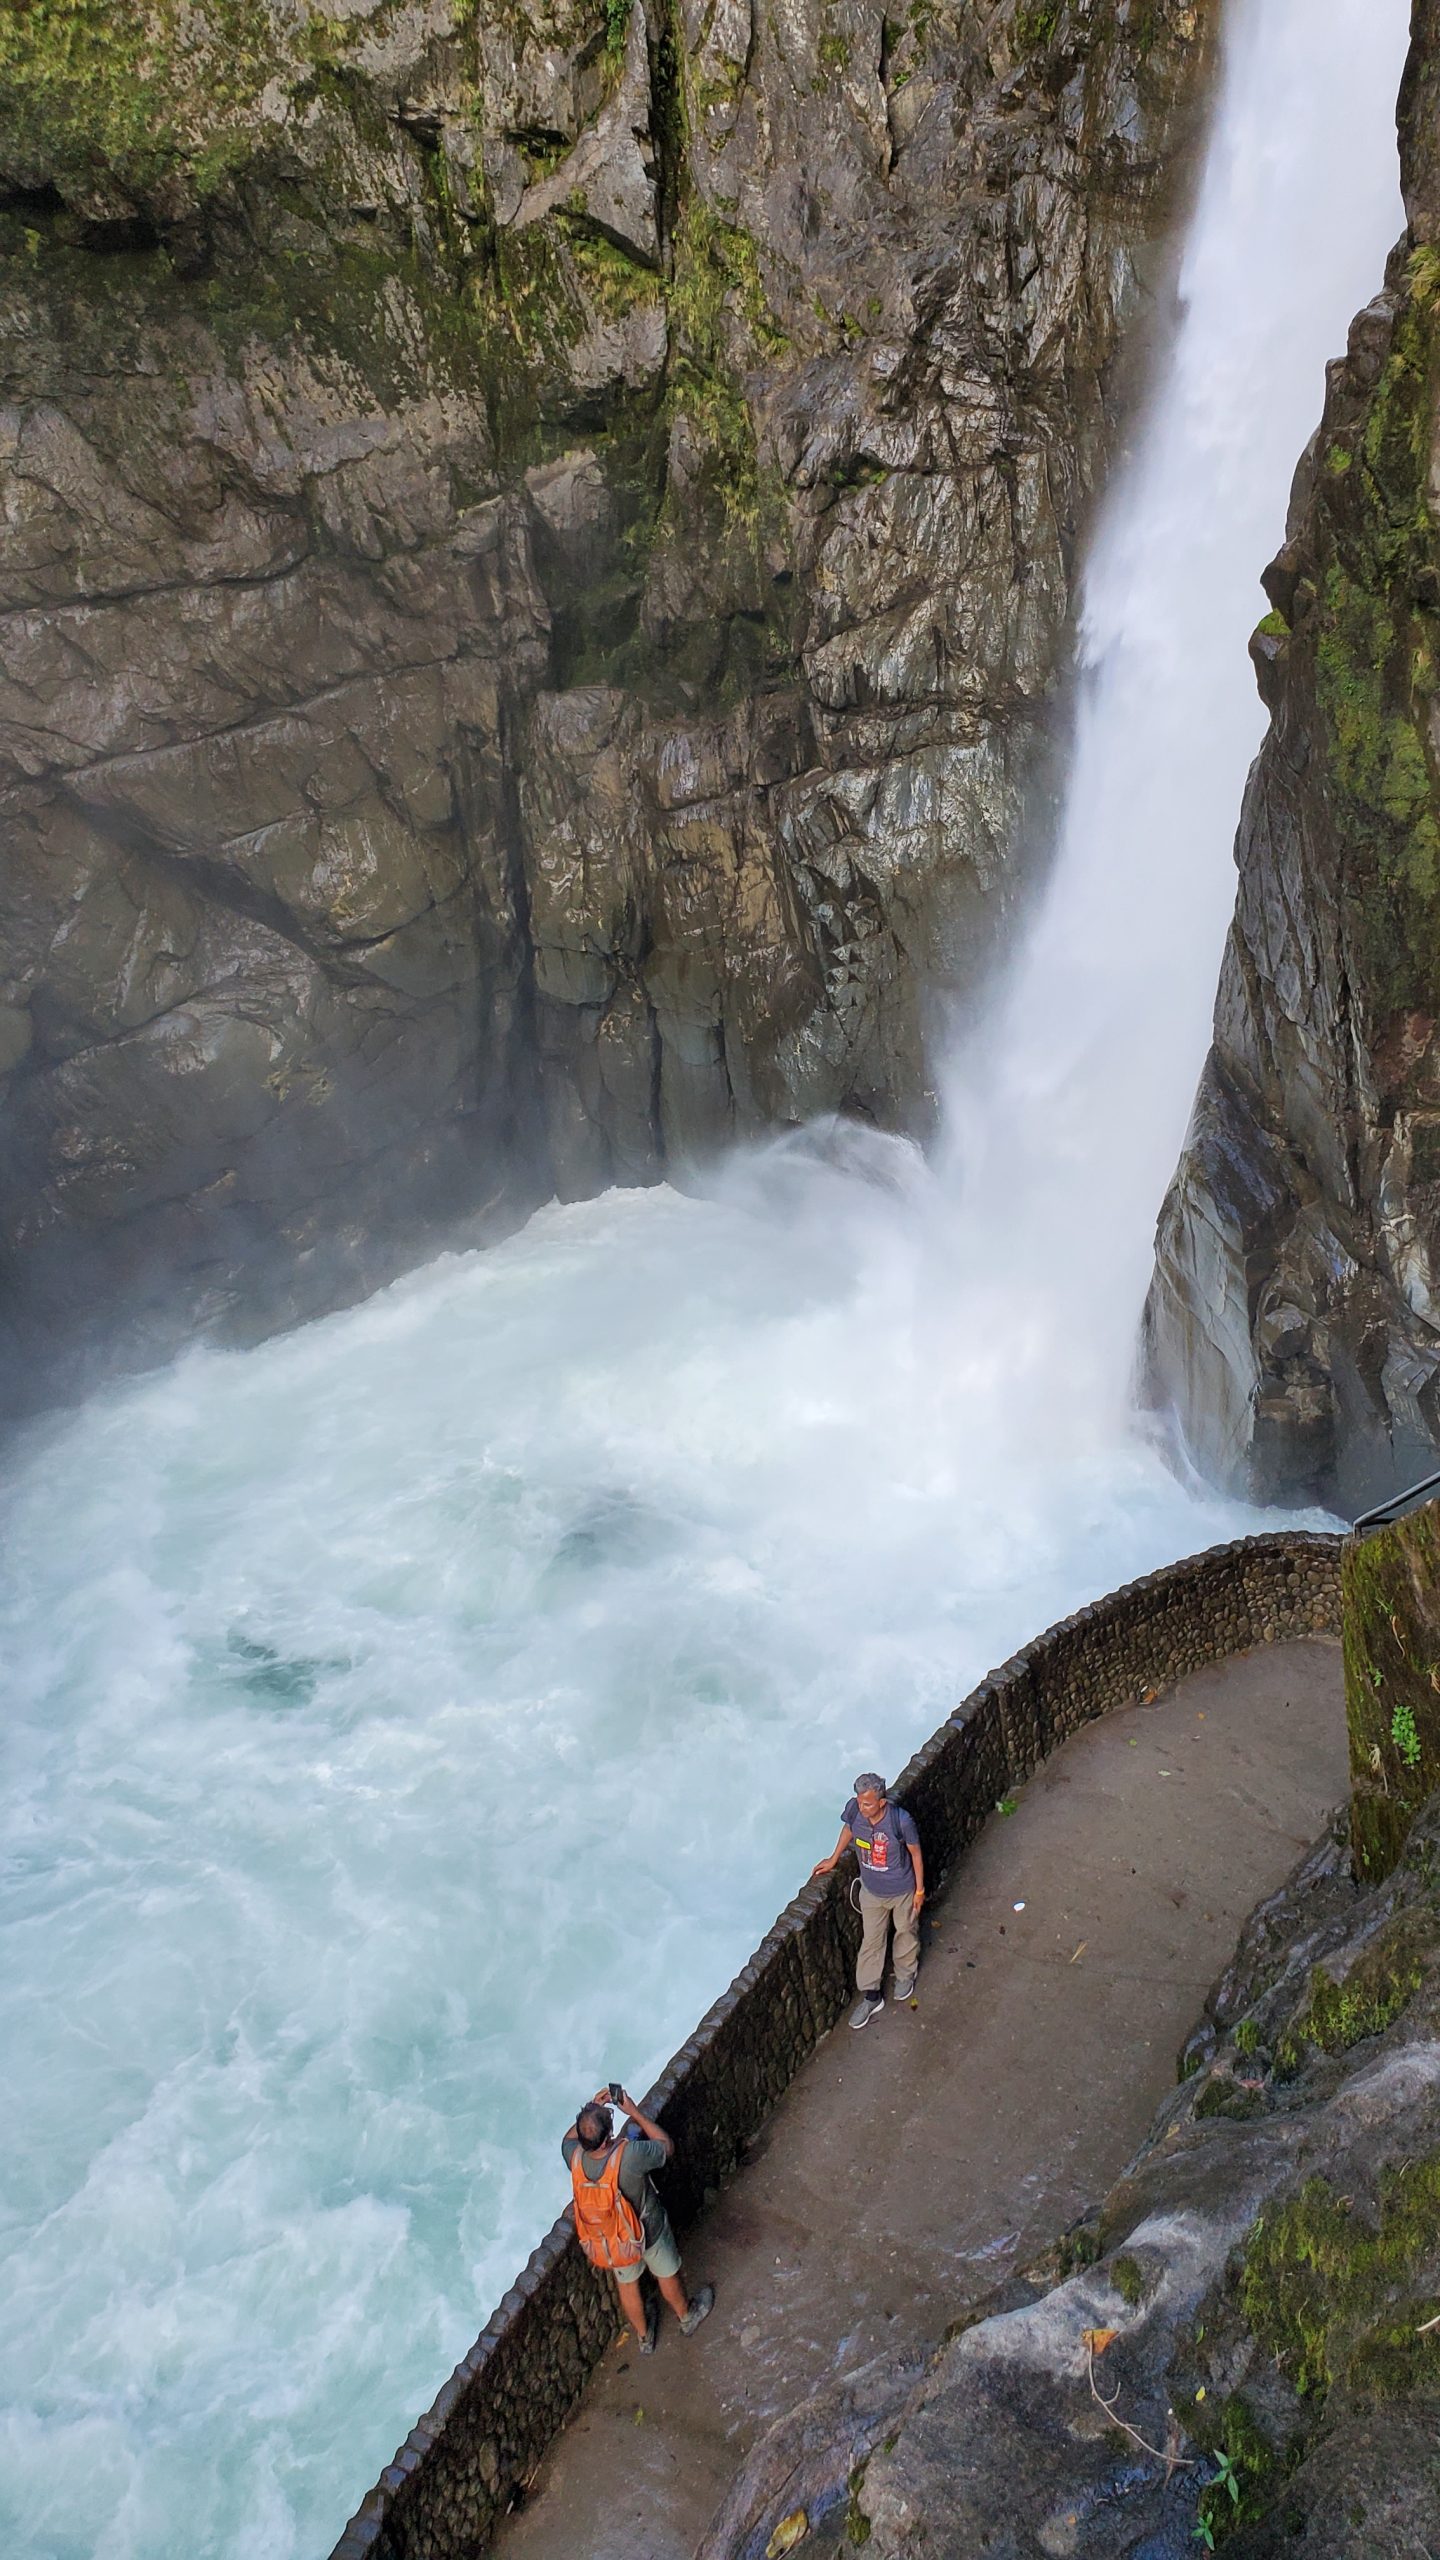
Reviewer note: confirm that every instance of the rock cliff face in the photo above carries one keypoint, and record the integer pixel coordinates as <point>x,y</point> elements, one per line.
<point>537,557</point>
<point>1294,1320</point>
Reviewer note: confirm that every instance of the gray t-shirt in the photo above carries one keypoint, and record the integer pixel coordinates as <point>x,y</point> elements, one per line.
<point>883,1849</point>
<point>636,2162</point>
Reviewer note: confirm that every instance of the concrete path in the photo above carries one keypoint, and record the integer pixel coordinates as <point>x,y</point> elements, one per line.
<point>910,2167</point>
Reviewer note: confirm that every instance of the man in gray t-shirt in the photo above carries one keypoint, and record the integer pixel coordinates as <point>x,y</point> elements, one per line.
<point>892,1891</point>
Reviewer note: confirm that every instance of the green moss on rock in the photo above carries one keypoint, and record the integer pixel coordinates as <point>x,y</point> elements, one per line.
<point>1375,657</point>
<point>1036,24</point>
<point>1334,2296</point>
<point>1391,1598</point>
<point>94,96</point>
<point>1365,2000</point>
<point>1129,2278</point>
<point>718,317</point>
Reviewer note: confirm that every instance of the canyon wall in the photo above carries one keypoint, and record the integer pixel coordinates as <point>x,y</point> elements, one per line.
<point>537,572</point>
<point>1294,1319</point>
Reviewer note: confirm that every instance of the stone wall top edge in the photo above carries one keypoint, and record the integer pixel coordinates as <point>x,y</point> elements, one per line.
<point>1262,1546</point>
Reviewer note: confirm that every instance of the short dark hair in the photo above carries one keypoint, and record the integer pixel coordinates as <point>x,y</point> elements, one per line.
<point>593,2126</point>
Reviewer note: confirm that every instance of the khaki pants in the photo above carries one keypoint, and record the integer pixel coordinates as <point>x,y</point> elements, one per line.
<point>876,1914</point>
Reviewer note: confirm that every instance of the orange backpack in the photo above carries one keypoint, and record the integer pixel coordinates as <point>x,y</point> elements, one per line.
<point>607,2225</point>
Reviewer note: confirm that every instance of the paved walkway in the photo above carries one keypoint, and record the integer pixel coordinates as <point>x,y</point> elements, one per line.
<point>909,2168</point>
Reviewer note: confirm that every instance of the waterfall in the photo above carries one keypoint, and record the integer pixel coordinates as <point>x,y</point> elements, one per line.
<point>414,1721</point>
<point>1070,1109</point>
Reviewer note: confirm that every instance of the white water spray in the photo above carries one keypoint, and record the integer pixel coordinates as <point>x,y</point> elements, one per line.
<point>414,1721</point>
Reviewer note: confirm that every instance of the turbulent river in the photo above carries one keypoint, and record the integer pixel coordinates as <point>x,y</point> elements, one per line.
<point>413,1721</point>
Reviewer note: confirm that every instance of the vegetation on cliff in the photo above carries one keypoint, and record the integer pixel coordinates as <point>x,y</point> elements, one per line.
<point>1375,634</point>
<point>1392,1681</point>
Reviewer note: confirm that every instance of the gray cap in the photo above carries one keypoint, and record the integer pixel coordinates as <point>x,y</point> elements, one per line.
<point>867,1784</point>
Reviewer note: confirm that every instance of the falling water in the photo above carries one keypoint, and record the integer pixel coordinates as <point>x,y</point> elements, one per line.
<point>1070,1111</point>
<point>417,1719</point>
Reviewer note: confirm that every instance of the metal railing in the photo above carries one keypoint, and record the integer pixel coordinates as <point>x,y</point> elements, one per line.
<point>1398,1505</point>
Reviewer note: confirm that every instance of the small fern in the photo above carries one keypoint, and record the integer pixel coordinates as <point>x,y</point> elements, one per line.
<point>1404,1735</point>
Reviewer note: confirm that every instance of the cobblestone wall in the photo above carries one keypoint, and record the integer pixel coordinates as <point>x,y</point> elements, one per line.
<point>457,2470</point>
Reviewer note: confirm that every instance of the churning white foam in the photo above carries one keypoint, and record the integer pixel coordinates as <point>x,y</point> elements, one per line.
<point>411,1722</point>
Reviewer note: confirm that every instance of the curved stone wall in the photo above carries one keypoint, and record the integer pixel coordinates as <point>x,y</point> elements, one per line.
<point>459,2467</point>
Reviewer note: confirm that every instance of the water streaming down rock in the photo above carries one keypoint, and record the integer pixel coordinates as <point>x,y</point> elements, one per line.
<point>419,1717</point>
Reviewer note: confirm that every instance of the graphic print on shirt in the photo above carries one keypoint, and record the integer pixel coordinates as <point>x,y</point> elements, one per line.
<point>875,1852</point>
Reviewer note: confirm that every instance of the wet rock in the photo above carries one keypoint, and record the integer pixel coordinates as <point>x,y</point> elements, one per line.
<point>1294,1320</point>
<point>804,2463</point>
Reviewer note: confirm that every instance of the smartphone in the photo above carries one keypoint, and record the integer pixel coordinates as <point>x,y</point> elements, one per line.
<point>617,2094</point>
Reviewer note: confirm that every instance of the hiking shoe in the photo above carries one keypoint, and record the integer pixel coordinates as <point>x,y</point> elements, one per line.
<point>701,2306</point>
<point>904,1990</point>
<point>646,2344</point>
<point>868,2006</point>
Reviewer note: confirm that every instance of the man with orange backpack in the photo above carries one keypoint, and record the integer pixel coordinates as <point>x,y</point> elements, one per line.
<point>620,2221</point>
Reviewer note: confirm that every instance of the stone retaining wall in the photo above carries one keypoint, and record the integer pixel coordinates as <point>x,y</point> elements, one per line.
<point>458,2469</point>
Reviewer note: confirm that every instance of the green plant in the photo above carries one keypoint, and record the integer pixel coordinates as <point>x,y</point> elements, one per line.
<point>1035,24</point>
<point>1224,2483</point>
<point>1425,277</point>
<point>857,2524</point>
<point>617,27</point>
<point>1128,2277</point>
<point>1078,2248</point>
<point>1247,2037</point>
<point>612,278</point>
<point>1404,1735</point>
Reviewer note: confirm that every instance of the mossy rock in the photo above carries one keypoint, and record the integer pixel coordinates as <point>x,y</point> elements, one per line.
<point>1336,2295</point>
<point>1390,1584</point>
<point>1250,2466</point>
<point>1376,640</point>
<point>1365,2000</point>
<point>1222,2096</point>
<point>1130,2279</point>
